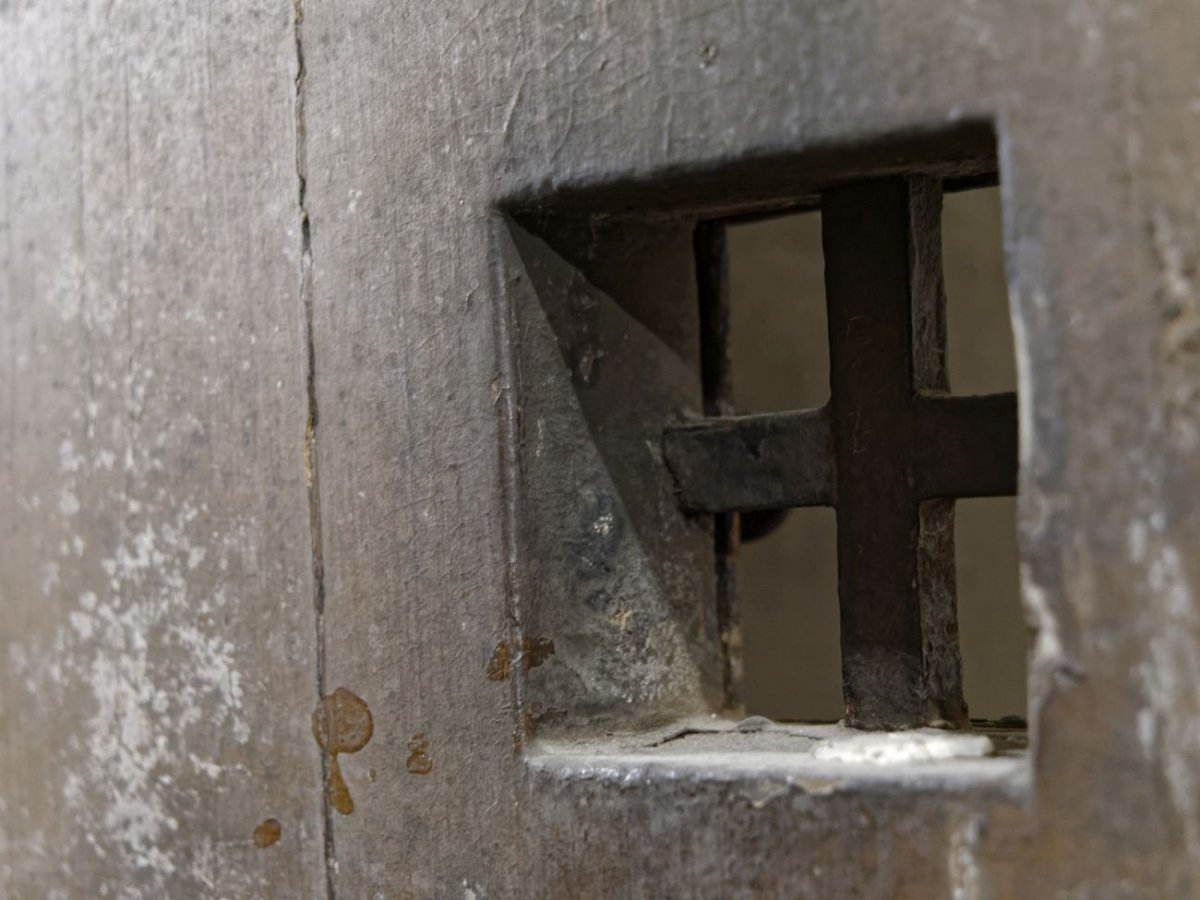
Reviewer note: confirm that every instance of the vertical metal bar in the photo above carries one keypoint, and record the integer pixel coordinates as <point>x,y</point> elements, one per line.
<point>931,371</point>
<point>712,287</point>
<point>935,557</point>
<point>865,233</point>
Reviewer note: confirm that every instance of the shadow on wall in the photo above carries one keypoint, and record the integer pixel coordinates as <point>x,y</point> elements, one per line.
<point>787,581</point>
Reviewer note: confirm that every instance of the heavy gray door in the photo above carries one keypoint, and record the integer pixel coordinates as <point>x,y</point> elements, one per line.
<point>340,555</point>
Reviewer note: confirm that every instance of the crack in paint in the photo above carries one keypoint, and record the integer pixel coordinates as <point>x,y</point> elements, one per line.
<point>328,768</point>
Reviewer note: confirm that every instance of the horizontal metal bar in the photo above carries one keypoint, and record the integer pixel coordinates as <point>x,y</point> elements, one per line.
<point>965,446</point>
<point>746,463</point>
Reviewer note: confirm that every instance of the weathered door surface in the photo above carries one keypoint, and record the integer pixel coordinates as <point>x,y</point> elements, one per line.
<point>339,555</point>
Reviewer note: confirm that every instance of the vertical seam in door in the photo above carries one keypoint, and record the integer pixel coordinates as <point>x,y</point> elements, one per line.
<point>507,401</point>
<point>310,429</point>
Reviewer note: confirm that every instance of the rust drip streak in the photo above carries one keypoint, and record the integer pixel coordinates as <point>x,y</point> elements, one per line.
<point>311,479</point>
<point>341,723</point>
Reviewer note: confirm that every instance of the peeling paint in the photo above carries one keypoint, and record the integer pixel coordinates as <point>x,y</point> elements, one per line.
<point>966,878</point>
<point>146,696</point>
<point>1169,725</point>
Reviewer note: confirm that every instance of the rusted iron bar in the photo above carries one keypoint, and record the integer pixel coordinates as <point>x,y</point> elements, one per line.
<point>758,462</point>
<point>712,288</point>
<point>891,451</point>
<point>865,235</point>
<point>965,446</point>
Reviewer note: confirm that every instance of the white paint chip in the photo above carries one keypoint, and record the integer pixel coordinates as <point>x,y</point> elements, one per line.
<point>68,503</point>
<point>896,747</point>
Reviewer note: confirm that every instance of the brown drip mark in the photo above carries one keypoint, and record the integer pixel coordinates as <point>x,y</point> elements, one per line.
<point>419,761</point>
<point>498,668</point>
<point>341,723</point>
<point>534,652</point>
<point>267,833</point>
<point>524,731</point>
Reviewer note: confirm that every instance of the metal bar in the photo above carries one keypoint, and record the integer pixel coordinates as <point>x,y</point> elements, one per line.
<point>891,450</point>
<point>712,289</point>
<point>965,446</point>
<point>927,292</point>
<point>752,462</point>
<point>865,232</point>
<point>936,575</point>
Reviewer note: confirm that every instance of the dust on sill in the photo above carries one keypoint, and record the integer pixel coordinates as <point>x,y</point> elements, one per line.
<point>820,758</point>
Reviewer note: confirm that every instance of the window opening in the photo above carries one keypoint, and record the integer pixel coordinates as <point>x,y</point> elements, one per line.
<point>786,578</point>
<point>890,452</point>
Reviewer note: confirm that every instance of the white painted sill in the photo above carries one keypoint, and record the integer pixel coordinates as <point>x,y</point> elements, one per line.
<point>818,759</point>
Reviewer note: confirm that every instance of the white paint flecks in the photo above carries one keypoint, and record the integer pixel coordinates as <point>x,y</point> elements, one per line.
<point>1169,724</point>
<point>897,748</point>
<point>68,503</point>
<point>1180,301</point>
<point>83,624</point>
<point>69,460</point>
<point>1173,277</point>
<point>1146,723</point>
<point>158,669</point>
<point>195,556</point>
<point>966,880</point>
<point>49,578</point>
<point>1047,646</point>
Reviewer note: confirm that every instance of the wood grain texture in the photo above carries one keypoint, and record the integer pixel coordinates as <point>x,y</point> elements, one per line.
<point>151,182</point>
<point>157,650</point>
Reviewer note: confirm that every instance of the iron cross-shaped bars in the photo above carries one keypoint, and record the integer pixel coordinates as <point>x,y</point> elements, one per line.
<point>890,452</point>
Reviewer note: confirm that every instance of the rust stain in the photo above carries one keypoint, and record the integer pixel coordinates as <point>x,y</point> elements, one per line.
<point>419,761</point>
<point>498,667</point>
<point>524,730</point>
<point>535,651</point>
<point>309,435</point>
<point>267,833</point>
<point>341,723</point>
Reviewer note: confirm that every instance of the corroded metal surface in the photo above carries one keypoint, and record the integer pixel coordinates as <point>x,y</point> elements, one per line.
<point>756,462</point>
<point>888,440</point>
